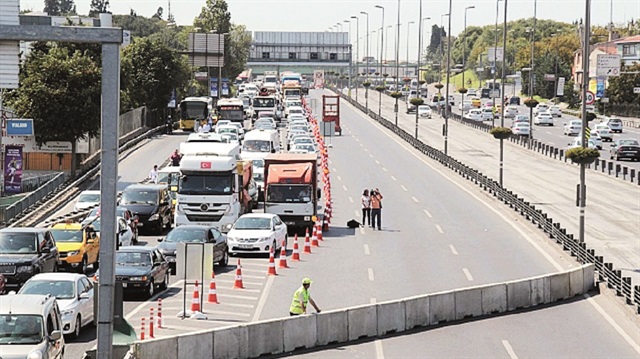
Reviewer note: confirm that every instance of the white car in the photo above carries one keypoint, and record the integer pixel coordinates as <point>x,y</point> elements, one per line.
<point>555,111</point>
<point>603,131</point>
<point>228,129</point>
<point>220,123</point>
<point>303,148</point>
<point>257,233</point>
<point>572,127</point>
<point>304,140</point>
<point>230,138</point>
<point>296,117</point>
<point>87,199</point>
<point>471,92</point>
<point>577,142</point>
<point>294,110</point>
<point>464,106</point>
<point>474,115</point>
<point>510,112</point>
<point>521,129</point>
<point>74,294</point>
<point>240,129</point>
<point>543,118</point>
<point>541,107</point>
<point>424,111</point>
<point>615,124</point>
<point>487,113</point>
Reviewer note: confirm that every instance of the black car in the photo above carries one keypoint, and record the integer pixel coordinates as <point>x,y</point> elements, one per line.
<point>514,100</point>
<point>141,270</point>
<point>129,217</point>
<point>194,234</point>
<point>151,203</point>
<point>25,252</point>
<point>625,148</point>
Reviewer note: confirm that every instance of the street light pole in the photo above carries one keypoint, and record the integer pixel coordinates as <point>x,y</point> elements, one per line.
<point>418,62</point>
<point>408,36</point>
<point>350,57</point>
<point>395,107</point>
<point>464,50</point>
<point>366,90</point>
<point>494,68</point>
<point>446,99</point>
<point>382,30</point>
<point>585,123</point>
<point>357,53</point>
<point>502,80</point>
<point>532,82</point>
<point>420,47</point>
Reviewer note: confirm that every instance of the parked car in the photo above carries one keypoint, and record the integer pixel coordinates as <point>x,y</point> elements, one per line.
<point>25,252</point>
<point>87,199</point>
<point>74,293</point>
<point>30,327</point>
<point>604,132</point>
<point>424,111</point>
<point>615,124</point>
<point>141,270</point>
<point>625,148</point>
<point>194,234</point>
<point>257,233</point>
<point>577,142</point>
<point>521,129</point>
<point>78,245</point>
<point>151,203</point>
<point>543,118</point>
<point>555,111</point>
<point>572,127</point>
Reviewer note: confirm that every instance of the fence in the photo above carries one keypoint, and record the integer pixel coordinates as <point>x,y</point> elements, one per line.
<point>613,277</point>
<point>9,212</point>
<point>31,184</point>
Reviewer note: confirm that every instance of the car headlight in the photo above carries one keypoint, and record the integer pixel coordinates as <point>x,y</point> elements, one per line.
<point>35,355</point>
<point>25,269</point>
<point>154,217</point>
<point>232,239</point>
<point>228,226</point>
<point>138,279</point>
<point>73,253</point>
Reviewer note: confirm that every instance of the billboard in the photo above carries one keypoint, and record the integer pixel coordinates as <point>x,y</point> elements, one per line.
<point>224,90</point>
<point>12,169</point>
<point>20,127</point>
<point>318,78</point>
<point>213,85</point>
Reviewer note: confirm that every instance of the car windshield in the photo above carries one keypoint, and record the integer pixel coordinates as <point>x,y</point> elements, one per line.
<point>300,193</point>
<point>615,120</point>
<point>67,235</point>
<point>190,235</point>
<point>206,183</point>
<point>252,223</point>
<point>89,197</point>
<point>21,329</point>
<point>18,243</point>
<point>61,289</point>
<point>256,146</point>
<point>139,197</point>
<point>628,143</point>
<point>263,102</point>
<point>303,140</point>
<point>128,259</point>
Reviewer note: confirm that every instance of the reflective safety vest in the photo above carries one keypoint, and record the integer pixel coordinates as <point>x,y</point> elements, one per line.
<point>296,308</point>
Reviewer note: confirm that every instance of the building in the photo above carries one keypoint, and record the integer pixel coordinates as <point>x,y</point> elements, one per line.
<point>629,49</point>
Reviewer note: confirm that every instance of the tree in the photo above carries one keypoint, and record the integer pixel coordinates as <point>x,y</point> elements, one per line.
<point>436,37</point>
<point>239,45</point>
<point>98,7</point>
<point>61,91</point>
<point>139,26</point>
<point>158,14</point>
<point>150,70</point>
<point>621,87</point>
<point>59,7</point>
<point>214,16</point>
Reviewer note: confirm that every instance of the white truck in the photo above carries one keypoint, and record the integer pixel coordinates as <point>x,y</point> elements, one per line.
<point>211,190</point>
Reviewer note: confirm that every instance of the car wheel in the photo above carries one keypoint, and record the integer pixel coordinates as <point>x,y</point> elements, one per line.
<point>77,327</point>
<point>165,283</point>
<point>225,258</point>
<point>152,289</point>
<point>82,269</point>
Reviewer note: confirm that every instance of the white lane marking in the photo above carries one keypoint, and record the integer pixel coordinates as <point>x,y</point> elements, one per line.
<point>334,169</point>
<point>366,150</point>
<point>361,230</point>
<point>509,349</point>
<point>427,213</point>
<point>370,155</point>
<point>339,178</point>
<point>453,249</point>
<point>263,299</point>
<point>229,313</point>
<point>370,271</point>
<point>361,145</point>
<point>439,228</point>
<point>385,169</point>
<point>244,297</point>
<point>377,162</point>
<point>244,269</point>
<point>250,306</point>
<point>356,212</point>
<point>366,249</point>
<point>485,203</point>
<point>344,188</point>
<point>466,273</point>
<point>357,140</point>
<point>613,323</point>
<point>403,188</point>
<point>149,301</point>
<point>252,276</point>
<point>243,282</point>
<point>379,351</point>
<point>351,199</point>
<point>414,199</point>
<point>393,178</point>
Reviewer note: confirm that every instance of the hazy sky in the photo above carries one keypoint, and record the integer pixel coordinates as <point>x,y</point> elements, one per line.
<point>319,15</point>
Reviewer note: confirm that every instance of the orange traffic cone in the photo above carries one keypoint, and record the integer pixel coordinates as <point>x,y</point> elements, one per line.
<point>314,237</point>
<point>238,283</point>
<point>272,263</point>
<point>296,250</point>
<point>142,328</point>
<point>195,301</point>
<point>307,244</point>
<point>212,297</point>
<point>319,230</point>
<point>283,256</point>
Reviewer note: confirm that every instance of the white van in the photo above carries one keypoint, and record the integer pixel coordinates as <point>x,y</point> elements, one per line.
<point>259,143</point>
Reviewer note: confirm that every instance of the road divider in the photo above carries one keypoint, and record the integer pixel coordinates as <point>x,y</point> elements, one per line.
<point>285,335</point>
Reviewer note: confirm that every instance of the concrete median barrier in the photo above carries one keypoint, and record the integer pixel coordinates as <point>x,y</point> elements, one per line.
<point>588,278</point>
<point>157,348</point>
<point>468,302</point>
<point>362,321</point>
<point>559,285</point>
<point>539,290</point>
<point>391,317</point>
<point>332,327</point>
<point>442,307</point>
<point>494,299</point>
<point>231,342</point>
<point>265,338</point>
<point>576,282</point>
<point>518,295</point>
<point>416,312</point>
<point>299,332</point>
<point>195,345</point>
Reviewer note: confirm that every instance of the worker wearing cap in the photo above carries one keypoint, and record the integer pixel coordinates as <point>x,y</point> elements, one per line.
<point>300,299</point>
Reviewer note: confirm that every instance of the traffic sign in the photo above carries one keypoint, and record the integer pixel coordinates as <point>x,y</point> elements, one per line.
<point>587,132</point>
<point>591,98</point>
<point>636,90</point>
<point>608,65</point>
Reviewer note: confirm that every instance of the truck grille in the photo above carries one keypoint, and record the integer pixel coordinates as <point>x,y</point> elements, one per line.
<point>7,269</point>
<point>204,217</point>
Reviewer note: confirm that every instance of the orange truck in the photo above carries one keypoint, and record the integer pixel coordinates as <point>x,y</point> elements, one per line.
<point>291,188</point>
<point>331,111</point>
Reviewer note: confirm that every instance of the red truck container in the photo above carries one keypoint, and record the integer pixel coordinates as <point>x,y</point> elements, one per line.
<point>331,111</point>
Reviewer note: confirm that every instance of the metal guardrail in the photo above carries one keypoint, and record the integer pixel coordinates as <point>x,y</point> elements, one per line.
<point>583,254</point>
<point>10,212</point>
<point>31,184</point>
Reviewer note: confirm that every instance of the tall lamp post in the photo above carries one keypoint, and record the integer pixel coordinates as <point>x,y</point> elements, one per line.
<point>408,36</point>
<point>381,53</point>
<point>420,19</point>
<point>395,107</point>
<point>464,52</point>
<point>585,82</point>
<point>357,53</point>
<point>446,99</point>
<point>504,69</point>
<point>366,90</point>
<point>420,47</point>
<point>494,68</point>
<point>440,49</point>
<point>350,56</point>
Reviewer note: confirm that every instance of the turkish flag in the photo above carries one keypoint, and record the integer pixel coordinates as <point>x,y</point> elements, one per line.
<point>205,164</point>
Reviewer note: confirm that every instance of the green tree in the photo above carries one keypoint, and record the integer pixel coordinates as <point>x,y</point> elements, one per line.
<point>214,16</point>
<point>620,90</point>
<point>139,26</point>
<point>239,46</point>
<point>150,70</point>
<point>59,7</point>
<point>61,91</point>
<point>98,7</point>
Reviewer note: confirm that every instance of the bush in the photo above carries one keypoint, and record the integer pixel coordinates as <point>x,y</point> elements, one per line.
<point>439,86</point>
<point>380,88</point>
<point>396,94</point>
<point>582,155</point>
<point>377,73</point>
<point>501,132</point>
<point>366,84</point>
<point>416,101</point>
<point>385,75</point>
<point>531,103</point>
<point>462,90</point>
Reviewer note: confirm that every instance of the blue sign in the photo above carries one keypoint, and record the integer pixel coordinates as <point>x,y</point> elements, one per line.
<point>20,127</point>
<point>172,100</point>
<point>214,87</point>
<point>225,87</point>
<point>600,84</point>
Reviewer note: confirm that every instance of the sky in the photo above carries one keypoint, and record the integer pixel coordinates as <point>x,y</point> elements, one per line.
<point>320,15</point>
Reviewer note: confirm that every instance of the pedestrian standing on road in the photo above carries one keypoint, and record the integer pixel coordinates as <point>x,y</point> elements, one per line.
<point>366,208</point>
<point>376,208</point>
<point>301,298</point>
<point>153,174</point>
<point>175,158</point>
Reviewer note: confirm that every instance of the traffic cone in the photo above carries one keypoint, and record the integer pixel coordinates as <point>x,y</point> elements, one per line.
<point>151,322</point>
<point>272,263</point>
<point>325,224</point>
<point>307,244</point>
<point>283,256</point>
<point>142,329</point>
<point>296,250</point>
<point>212,296</point>
<point>314,237</point>
<point>319,230</point>
<point>195,300</point>
<point>160,323</point>
<point>238,283</point>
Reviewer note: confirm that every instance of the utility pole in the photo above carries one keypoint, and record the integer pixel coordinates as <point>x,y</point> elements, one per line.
<point>357,53</point>
<point>494,67</point>
<point>585,123</point>
<point>464,51</point>
<point>504,69</point>
<point>446,99</point>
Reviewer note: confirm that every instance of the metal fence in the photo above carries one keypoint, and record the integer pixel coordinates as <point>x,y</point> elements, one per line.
<point>583,254</point>
<point>31,184</point>
<point>9,212</point>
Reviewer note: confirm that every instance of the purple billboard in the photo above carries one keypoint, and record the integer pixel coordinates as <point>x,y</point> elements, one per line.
<point>12,169</point>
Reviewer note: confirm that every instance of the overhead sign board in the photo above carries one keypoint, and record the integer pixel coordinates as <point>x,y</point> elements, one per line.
<point>560,90</point>
<point>549,77</point>
<point>608,65</point>
<point>20,127</point>
<point>495,54</point>
<point>29,144</point>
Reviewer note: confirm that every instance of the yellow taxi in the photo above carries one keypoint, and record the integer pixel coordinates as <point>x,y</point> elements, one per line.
<point>497,109</point>
<point>78,246</point>
<point>475,102</point>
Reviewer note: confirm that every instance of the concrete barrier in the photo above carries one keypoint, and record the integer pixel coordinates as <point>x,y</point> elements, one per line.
<point>539,290</point>
<point>391,317</point>
<point>362,321</point>
<point>416,310</point>
<point>588,278</point>
<point>468,302</point>
<point>494,299</point>
<point>442,307</point>
<point>299,332</point>
<point>157,348</point>
<point>231,342</point>
<point>332,327</point>
<point>195,345</point>
<point>576,282</point>
<point>560,286</point>
<point>518,295</point>
<point>265,337</point>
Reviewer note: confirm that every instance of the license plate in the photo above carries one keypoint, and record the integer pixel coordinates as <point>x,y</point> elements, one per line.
<point>124,285</point>
<point>245,246</point>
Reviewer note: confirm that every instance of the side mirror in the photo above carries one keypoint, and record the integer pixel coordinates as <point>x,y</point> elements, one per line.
<point>55,335</point>
<point>84,295</point>
<point>160,239</point>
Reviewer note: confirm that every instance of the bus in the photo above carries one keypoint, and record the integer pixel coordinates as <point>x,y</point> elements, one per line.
<point>194,109</point>
<point>231,109</point>
<point>244,77</point>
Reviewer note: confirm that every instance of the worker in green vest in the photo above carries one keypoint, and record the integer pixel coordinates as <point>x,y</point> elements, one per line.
<point>300,299</point>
